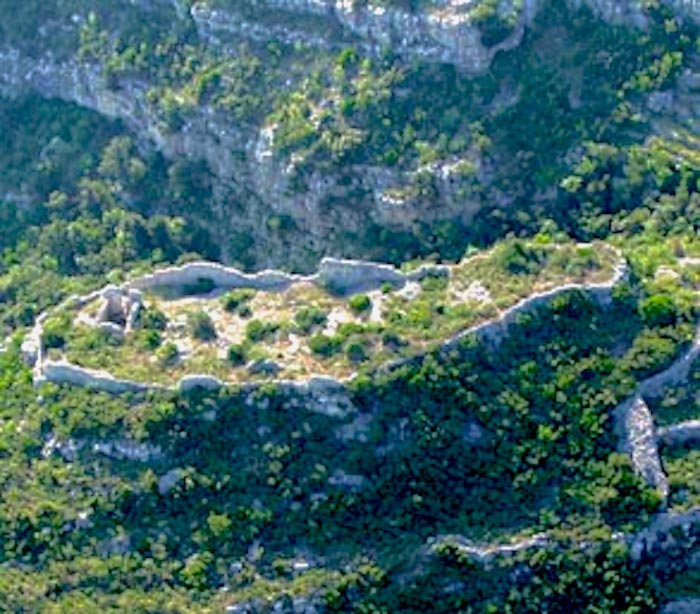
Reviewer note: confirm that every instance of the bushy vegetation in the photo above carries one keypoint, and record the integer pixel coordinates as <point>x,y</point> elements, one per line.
<point>257,493</point>
<point>201,326</point>
<point>236,301</point>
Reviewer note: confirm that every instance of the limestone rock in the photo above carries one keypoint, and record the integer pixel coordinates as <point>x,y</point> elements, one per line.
<point>352,276</point>
<point>169,480</point>
<point>62,372</point>
<point>669,532</point>
<point>680,434</point>
<point>682,606</point>
<point>635,427</point>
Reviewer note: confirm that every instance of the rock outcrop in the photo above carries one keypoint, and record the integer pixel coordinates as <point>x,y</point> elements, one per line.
<point>679,434</point>
<point>484,555</point>
<point>682,606</point>
<point>637,437</point>
<point>677,533</point>
<point>241,157</point>
<point>445,32</point>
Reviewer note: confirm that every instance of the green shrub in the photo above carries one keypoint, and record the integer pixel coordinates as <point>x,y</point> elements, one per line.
<point>356,351</point>
<point>324,345</point>
<point>393,341</point>
<point>308,318</point>
<point>203,285</point>
<point>257,330</point>
<point>236,299</point>
<point>518,258</point>
<point>245,311</point>
<point>237,353</point>
<point>149,339</point>
<point>167,354</point>
<point>360,303</point>
<point>659,310</point>
<point>434,283</point>
<point>152,319</point>
<point>55,331</point>
<point>201,326</point>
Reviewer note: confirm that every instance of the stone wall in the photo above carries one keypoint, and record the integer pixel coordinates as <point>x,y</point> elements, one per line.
<point>676,374</point>
<point>344,276</point>
<point>341,275</point>
<point>634,422</point>
<point>483,555</point>
<point>62,372</point>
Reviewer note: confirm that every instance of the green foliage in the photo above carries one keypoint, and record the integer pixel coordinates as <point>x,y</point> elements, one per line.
<point>325,345</point>
<point>167,354</point>
<point>152,319</point>
<point>659,310</point>
<point>235,301</point>
<point>255,468</point>
<point>360,303</point>
<point>149,339</point>
<point>201,326</point>
<point>203,285</point>
<point>256,330</point>
<point>518,258</point>
<point>56,330</point>
<point>309,318</point>
<point>237,353</point>
<point>356,351</point>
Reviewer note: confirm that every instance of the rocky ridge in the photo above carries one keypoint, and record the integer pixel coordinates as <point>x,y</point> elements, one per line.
<point>247,170</point>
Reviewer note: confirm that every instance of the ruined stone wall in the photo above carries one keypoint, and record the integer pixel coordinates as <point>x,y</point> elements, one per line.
<point>341,275</point>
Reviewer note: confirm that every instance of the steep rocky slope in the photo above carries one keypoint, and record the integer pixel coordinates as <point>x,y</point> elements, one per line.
<point>287,148</point>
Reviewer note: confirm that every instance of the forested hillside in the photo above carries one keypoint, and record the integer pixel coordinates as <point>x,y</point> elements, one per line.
<point>471,383</point>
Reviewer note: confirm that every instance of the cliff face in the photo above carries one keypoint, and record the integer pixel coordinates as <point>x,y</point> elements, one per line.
<point>323,212</point>
<point>252,184</point>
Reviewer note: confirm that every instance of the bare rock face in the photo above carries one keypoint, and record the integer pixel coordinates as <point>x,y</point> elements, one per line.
<point>635,426</point>
<point>245,167</point>
<point>682,606</point>
<point>445,32</point>
<point>677,535</point>
<point>680,434</point>
<point>169,480</point>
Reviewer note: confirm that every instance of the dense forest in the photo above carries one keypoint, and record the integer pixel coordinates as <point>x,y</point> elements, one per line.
<point>469,476</point>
